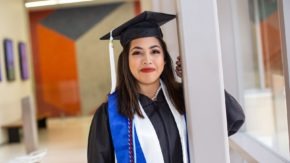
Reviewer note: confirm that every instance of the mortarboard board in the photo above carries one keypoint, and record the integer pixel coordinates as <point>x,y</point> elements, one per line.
<point>146,24</point>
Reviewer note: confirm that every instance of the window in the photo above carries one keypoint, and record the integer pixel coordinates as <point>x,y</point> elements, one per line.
<point>258,43</point>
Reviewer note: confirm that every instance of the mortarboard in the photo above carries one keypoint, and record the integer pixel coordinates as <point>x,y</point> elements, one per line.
<point>146,24</point>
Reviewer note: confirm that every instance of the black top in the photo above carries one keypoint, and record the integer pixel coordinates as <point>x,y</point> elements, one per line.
<point>164,124</point>
<point>100,147</point>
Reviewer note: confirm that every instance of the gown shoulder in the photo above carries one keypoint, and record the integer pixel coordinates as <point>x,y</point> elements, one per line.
<point>234,112</point>
<point>100,147</point>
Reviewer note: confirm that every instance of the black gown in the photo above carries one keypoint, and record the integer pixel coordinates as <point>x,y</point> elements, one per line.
<point>100,147</point>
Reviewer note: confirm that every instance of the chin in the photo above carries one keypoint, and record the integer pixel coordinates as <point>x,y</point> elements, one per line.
<point>149,81</point>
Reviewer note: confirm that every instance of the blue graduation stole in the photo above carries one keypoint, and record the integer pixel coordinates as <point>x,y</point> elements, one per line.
<point>119,127</point>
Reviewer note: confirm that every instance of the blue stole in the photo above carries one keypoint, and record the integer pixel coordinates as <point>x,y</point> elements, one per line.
<point>120,135</point>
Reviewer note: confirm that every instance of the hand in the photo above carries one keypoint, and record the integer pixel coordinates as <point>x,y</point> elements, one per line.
<point>178,68</point>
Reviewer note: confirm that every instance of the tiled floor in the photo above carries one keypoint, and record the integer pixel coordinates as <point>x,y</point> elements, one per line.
<point>65,140</point>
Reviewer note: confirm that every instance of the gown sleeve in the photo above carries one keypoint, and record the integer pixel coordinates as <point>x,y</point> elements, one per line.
<point>234,111</point>
<point>100,147</point>
<point>235,114</point>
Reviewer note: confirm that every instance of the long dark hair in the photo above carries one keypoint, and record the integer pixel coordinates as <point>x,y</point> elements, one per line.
<point>127,85</point>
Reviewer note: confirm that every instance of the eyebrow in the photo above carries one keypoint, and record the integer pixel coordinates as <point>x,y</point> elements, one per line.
<point>136,47</point>
<point>151,47</point>
<point>154,46</point>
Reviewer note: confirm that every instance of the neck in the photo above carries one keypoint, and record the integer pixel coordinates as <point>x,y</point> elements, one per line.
<point>149,90</point>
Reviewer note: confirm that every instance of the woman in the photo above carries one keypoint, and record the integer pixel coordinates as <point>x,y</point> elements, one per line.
<point>143,120</point>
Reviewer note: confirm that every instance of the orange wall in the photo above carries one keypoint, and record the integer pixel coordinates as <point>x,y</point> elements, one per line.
<point>137,7</point>
<point>55,70</point>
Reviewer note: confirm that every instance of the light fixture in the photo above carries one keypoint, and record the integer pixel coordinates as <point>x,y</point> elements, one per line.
<point>51,2</point>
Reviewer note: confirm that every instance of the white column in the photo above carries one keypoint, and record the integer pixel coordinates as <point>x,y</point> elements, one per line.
<point>203,81</point>
<point>229,55</point>
<point>231,65</point>
<point>284,9</point>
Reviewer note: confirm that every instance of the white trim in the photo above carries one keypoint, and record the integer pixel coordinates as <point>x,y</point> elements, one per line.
<point>112,64</point>
<point>284,13</point>
<point>253,151</point>
<point>146,133</point>
<point>180,122</point>
<point>258,33</point>
<point>134,145</point>
<point>116,161</point>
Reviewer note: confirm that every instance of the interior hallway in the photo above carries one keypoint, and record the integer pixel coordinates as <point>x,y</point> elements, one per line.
<point>65,140</point>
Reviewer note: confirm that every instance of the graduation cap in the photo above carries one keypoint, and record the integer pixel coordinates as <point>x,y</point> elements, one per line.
<point>146,24</point>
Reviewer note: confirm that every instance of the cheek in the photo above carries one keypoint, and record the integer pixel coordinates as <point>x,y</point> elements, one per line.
<point>133,65</point>
<point>130,65</point>
<point>161,64</point>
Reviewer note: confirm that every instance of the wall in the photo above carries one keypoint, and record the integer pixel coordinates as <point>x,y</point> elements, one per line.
<point>94,68</point>
<point>71,64</point>
<point>13,19</point>
<point>54,64</point>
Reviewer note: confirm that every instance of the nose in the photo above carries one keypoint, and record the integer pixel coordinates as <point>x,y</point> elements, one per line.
<point>147,59</point>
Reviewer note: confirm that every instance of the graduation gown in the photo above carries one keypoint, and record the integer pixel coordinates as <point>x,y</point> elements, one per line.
<point>100,146</point>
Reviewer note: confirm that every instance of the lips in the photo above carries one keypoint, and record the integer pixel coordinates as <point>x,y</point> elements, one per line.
<point>147,70</point>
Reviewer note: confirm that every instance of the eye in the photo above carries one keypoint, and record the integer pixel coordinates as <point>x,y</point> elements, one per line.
<point>136,52</point>
<point>155,51</point>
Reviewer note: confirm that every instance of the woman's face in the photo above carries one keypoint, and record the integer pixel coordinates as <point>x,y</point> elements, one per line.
<point>146,60</point>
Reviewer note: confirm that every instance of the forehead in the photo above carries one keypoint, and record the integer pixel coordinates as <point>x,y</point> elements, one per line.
<point>145,42</point>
